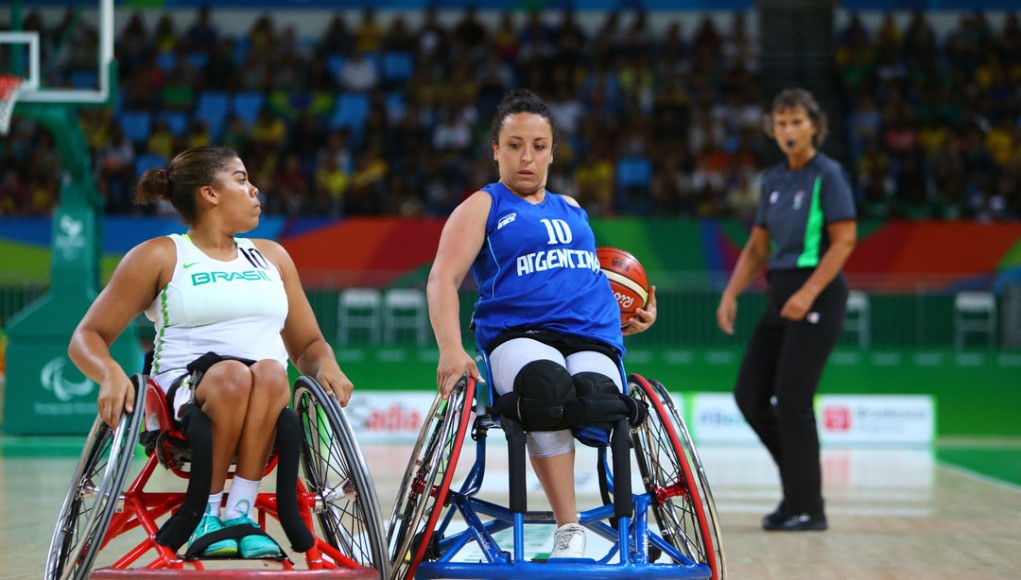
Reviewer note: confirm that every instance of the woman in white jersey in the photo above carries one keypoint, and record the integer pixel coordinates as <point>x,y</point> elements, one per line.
<point>541,320</point>
<point>210,291</point>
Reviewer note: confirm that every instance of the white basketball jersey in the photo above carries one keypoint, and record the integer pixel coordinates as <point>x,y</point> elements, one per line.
<point>235,308</point>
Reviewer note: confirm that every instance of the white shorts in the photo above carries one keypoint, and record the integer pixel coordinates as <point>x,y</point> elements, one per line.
<point>507,360</point>
<point>183,395</point>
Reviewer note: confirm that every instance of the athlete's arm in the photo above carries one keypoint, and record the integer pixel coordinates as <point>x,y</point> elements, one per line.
<point>753,257</point>
<point>135,283</point>
<point>303,338</point>
<point>460,243</point>
<point>843,237</point>
<point>643,318</point>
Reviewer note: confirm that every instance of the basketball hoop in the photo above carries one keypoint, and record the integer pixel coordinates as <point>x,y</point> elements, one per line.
<point>9,88</point>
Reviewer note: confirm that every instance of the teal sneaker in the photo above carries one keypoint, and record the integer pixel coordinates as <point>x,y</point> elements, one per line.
<point>224,548</point>
<point>255,545</point>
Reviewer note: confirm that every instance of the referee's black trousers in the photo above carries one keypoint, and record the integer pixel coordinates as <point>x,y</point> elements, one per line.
<point>785,359</point>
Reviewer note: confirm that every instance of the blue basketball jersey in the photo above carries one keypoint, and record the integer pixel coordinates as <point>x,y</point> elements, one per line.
<point>538,270</point>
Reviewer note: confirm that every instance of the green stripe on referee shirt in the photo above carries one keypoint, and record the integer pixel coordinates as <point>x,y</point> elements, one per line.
<point>813,230</point>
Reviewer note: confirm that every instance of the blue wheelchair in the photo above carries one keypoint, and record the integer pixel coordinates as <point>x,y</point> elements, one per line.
<point>681,540</point>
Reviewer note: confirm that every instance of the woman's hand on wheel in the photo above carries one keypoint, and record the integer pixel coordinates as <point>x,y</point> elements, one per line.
<point>451,368</point>
<point>116,395</point>
<point>336,381</point>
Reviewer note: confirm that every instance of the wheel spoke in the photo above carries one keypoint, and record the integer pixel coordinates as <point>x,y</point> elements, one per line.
<point>346,507</point>
<point>681,504</point>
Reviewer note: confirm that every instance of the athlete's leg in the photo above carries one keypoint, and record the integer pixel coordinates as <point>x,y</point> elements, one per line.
<point>589,361</point>
<point>556,474</point>
<point>223,395</point>
<point>270,394</point>
<point>551,452</point>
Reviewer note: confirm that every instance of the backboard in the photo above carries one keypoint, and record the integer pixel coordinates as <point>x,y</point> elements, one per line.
<point>62,49</point>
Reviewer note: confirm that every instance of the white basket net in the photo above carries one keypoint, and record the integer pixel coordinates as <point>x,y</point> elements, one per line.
<point>9,87</point>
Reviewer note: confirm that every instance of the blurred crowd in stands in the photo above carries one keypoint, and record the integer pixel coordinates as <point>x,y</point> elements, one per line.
<point>392,117</point>
<point>935,122</point>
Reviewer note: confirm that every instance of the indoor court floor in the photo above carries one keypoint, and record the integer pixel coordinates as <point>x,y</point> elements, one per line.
<point>893,513</point>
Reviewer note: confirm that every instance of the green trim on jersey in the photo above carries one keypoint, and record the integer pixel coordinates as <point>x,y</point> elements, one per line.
<point>809,257</point>
<point>158,350</point>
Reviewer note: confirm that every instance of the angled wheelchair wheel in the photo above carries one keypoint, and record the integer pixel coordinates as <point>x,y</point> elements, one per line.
<point>94,492</point>
<point>335,472</point>
<point>427,480</point>
<point>673,476</point>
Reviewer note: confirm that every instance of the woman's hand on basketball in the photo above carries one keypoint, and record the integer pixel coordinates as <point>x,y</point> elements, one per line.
<point>116,395</point>
<point>644,317</point>
<point>451,368</point>
<point>336,382</point>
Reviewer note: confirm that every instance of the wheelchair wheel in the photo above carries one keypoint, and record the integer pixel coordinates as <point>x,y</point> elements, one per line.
<point>673,475</point>
<point>427,480</point>
<point>94,492</point>
<point>335,472</point>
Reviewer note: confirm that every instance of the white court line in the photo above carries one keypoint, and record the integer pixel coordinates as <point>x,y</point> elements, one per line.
<point>980,477</point>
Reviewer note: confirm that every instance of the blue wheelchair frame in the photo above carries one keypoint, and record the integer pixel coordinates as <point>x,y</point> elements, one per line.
<point>631,537</point>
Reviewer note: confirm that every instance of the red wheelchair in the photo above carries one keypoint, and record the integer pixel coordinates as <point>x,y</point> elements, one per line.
<point>331,514</point>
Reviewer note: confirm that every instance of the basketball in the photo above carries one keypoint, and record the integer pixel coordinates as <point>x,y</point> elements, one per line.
<point>628,280</point>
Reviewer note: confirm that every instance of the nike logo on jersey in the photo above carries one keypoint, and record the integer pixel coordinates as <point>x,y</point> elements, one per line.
<point>190,264</point>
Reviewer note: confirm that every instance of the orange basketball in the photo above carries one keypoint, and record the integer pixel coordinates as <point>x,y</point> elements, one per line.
<point>628,280</point>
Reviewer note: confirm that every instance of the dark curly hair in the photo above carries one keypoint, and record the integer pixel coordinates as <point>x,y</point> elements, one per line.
<point>520,100</point>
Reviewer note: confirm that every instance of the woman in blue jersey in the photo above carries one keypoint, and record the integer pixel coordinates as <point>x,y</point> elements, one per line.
<point>804,231</point>
<point>211,291</point>
<point>545,309</point>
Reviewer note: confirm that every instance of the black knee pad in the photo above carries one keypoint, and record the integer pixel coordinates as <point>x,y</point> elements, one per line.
<point>599,406</point>
<point>589,384</point>
<point>541,392</point>
<point>592,414</point>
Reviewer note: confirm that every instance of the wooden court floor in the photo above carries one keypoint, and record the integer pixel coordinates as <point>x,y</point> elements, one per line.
<point>893,513</point>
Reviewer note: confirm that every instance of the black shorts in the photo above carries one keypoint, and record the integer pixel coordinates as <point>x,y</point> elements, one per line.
<point>567,345</point>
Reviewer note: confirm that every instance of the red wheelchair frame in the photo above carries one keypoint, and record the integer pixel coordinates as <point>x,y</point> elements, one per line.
<point>95,510</point>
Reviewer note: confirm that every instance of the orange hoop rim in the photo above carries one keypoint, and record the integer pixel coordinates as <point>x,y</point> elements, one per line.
<point>8,85</point>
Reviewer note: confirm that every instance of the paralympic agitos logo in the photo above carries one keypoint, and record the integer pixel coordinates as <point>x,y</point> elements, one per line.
<point>52,379</point>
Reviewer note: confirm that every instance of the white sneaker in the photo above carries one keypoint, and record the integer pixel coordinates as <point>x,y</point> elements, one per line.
<point>568,542</point>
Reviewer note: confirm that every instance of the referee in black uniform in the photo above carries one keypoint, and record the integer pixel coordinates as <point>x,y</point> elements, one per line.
<point>805,230</point>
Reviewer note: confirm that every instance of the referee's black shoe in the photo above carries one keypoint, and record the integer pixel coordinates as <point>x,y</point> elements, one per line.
<point>780,521</point>
<point>777,516</point>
